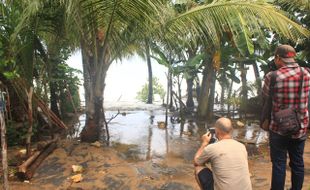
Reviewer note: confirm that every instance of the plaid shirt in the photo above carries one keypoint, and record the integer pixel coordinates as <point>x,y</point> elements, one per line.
<point>286,94</point>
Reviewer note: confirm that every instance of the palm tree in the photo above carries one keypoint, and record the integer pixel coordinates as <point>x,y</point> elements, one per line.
<point>241,20</point>
<point>105,29</point>
<point>207,22</point>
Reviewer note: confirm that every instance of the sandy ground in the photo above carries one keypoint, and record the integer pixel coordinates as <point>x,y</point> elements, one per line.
<point>108,168</point>
<point>260,168</point>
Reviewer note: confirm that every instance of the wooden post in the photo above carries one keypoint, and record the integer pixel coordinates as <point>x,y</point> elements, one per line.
<point>3,145</point>
<point>30,119</point>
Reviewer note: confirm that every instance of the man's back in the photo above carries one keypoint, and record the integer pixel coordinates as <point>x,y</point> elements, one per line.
<point>229,164</point>
<point>286,94</point>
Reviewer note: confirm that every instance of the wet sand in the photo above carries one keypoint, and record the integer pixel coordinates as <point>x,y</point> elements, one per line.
<point>108,169</point>
<point>260,168</point>
<point>144,157</point>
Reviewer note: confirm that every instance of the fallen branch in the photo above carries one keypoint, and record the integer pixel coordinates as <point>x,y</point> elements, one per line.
<point>113,116</point>
<point>27,169</point>
<point>42,144</point>
<point>23,168</point>
<point>31,170</point>
<point>107,122</point>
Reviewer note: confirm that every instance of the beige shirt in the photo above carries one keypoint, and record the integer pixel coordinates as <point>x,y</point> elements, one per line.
<point>229,163</point>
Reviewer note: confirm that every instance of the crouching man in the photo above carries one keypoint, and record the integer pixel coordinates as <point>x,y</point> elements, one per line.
<point>228,159</point>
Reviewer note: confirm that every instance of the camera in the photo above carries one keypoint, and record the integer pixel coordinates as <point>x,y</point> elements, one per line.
<point>213,137</point>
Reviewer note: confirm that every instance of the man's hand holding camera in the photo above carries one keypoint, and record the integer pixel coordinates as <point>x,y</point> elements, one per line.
<point>206,139</point>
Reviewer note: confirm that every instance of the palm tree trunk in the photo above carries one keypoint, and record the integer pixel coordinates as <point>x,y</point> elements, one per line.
<point>257,77</point>
<point>180,99</point>
<point>244,92</point>
<point>170,89</point>
<point>205,91</point>
<point>222,96</point>
<point>54,106</point>
<point>150,72</point>
<point>198,87</point>
<point>211,98</point>
<point>190,99</point>
<point>94,70</point>
<point>53,61</point>
<point>229,98</point>
<point>190,83</point>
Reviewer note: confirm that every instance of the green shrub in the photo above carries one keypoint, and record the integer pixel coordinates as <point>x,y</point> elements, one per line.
<point>142,95</point>
<point>16,133</point>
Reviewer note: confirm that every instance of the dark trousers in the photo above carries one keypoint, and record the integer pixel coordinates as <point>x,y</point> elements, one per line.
<point>279,147</point>
<point>205,178</point>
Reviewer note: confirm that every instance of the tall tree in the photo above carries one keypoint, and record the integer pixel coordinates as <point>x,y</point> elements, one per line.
<point>150,72</point>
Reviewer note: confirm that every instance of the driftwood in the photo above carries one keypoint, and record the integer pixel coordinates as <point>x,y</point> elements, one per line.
<point>27,169</point>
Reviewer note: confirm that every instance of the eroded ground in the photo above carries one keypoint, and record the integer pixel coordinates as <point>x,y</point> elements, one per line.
<point>106,168</point>
<point>144,157</point>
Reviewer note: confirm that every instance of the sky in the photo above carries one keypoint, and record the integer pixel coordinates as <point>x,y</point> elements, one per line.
<point>126,78</point>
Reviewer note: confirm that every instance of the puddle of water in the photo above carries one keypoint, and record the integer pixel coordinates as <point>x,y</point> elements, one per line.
<point>136,135</point>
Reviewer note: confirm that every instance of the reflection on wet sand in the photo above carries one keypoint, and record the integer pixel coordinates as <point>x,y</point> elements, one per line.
<point>140,129</point>
<point>143,156</point>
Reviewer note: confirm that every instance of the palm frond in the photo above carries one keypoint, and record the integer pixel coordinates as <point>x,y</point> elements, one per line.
<point>121,22</point>
<point>295,4</point>
<point>210,22</point>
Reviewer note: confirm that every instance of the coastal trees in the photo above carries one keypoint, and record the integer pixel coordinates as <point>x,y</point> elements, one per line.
<point>107,30</point>
<point>30,51</point>
<point>241,20</point>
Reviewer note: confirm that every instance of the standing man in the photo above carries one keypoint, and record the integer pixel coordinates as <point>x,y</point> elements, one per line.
<point>228,158</point>
<point>286,95</point>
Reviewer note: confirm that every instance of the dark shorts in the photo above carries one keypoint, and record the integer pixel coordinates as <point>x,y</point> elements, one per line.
<point>205,178</point>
